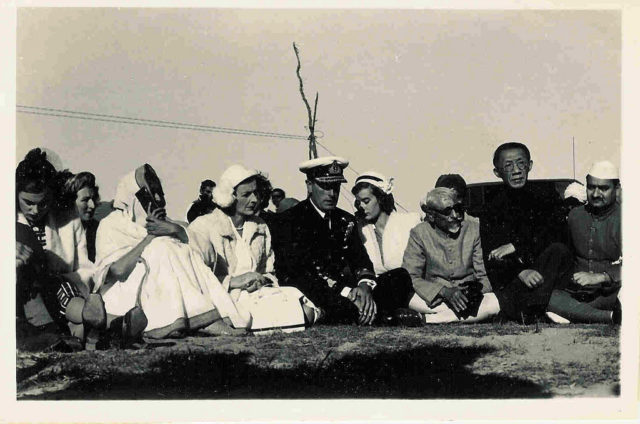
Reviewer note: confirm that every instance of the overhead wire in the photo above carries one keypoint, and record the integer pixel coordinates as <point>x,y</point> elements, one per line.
<point>64,113</point>
<point>101,117</point>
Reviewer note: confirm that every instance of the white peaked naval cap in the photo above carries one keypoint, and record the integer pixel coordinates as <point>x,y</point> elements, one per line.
<point>327,169</point>
<point>604,170</point>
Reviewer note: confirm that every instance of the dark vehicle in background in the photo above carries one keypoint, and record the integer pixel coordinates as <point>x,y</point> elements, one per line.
<point>479,194</point>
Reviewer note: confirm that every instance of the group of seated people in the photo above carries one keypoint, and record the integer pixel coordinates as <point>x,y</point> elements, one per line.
<point>236,268</point>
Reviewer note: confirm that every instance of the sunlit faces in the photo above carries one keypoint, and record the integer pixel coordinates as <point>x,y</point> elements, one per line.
<point>601,193</point>
<point>247,198</point>
<point>368,203</point>
<point>324,195</point>
<point>513,167</point>
<point>86,203</point>
<point>448,216</point>
<point>34,206</point>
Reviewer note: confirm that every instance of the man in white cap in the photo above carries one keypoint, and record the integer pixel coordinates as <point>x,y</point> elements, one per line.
<point>595,238</point>
<point>521,230</point>
<point>319,252</point>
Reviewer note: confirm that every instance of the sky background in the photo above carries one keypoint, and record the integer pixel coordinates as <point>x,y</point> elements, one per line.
<point>409,93</point>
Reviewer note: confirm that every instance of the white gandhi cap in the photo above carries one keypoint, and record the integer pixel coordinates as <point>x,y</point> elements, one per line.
<point>604,170</point>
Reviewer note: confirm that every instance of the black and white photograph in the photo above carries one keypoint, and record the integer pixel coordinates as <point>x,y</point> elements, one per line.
<point>306,208</point>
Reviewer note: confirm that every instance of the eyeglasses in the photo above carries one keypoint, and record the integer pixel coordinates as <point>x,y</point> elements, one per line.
<point>510,166</point>
<point>458,209</point>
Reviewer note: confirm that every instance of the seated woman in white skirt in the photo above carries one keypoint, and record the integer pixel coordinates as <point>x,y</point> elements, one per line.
<point>444,259</point>
<point>148,274</point>
<point>236,244</point>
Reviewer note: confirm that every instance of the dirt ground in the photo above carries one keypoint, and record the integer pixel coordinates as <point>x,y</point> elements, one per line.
<point>446,361</point>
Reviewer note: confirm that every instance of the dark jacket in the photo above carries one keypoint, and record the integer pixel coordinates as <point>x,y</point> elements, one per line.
<point>307,251</point>
<point>200,207</point>
<point>531,218</point>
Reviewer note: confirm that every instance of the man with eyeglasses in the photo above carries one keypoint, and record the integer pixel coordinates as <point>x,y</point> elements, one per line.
<point>444,259</point>
<point>318,250</point>
<point>520,229</point>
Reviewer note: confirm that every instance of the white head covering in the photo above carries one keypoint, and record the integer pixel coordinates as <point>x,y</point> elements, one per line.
<point>235,174</point>
<point>577,191</point>
<point>376,179</point>
<point>126,200</point>
<point>604,170</point>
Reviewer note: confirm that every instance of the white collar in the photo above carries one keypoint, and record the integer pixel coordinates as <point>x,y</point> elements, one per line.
<point>322,214</point>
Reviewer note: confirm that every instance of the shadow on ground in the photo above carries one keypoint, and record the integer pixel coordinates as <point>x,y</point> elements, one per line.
<point>424,372</point>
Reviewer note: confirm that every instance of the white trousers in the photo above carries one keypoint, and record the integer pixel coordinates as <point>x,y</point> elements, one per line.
<point>442,314</point>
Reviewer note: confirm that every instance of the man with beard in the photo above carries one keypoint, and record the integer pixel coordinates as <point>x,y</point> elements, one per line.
<point>319,251</point>
<point>520,229</point>
<point>444,259</point>
<point>595,238</point>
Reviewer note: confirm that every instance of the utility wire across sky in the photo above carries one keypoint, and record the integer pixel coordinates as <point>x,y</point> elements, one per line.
<point>65,113</point>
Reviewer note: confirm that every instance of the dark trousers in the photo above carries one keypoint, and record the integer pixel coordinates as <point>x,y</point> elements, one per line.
<point>33,279</point>
<point>521,303</point>
<point>393,290</point>
<point>597,310</point>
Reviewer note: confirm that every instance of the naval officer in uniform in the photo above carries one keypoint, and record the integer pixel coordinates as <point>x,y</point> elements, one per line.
<point>319,252</point>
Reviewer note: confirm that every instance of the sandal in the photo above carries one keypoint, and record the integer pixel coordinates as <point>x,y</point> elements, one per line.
<point>134,323</point>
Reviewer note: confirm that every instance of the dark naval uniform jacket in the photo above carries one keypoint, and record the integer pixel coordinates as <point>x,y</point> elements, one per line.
<point>319,259</point>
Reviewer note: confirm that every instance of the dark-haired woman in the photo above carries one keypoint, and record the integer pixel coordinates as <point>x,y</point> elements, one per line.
<point>384,233</point>
<point>236,244</point>
<point>64,283</point>
<point>82,194</point>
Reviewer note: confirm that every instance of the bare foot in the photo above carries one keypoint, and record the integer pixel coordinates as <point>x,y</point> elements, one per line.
<point>222,328</point>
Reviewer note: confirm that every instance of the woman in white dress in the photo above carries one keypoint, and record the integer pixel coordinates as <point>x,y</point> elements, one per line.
<point>148,274</point>
<point>236,244</point>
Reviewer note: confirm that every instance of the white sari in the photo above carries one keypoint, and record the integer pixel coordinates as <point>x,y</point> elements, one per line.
<point>179,291</point>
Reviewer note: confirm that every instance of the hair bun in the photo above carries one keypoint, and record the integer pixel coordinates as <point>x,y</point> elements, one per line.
<point>35,155</point>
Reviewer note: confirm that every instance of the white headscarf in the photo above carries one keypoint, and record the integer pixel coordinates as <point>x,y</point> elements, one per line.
<point>126,200</point>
